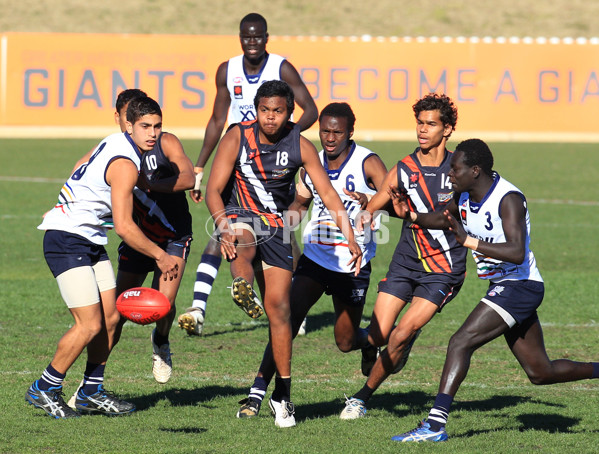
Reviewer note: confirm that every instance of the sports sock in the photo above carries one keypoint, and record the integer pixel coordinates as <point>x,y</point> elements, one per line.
<point>438,415</point>
<point>595,370</point>
<point>92,378</point>
<point>258,389</point>
<point>282,389</point>
<point>364,394</point>
<point>205,275</point>
<point>50,378</point>
<point>159,339</point>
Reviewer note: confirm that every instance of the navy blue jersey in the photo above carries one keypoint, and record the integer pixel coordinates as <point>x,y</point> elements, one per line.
<point>263,173</point>
<point>160,215</point>
<point>428,189</point>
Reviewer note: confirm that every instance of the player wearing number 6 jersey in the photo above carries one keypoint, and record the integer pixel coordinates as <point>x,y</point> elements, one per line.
<point>428,266</point>
<point>252,171</point>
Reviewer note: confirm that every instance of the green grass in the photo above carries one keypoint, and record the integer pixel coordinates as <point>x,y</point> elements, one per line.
<point>496,410</point>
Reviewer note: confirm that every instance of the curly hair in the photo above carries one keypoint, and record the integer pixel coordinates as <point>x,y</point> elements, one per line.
<point>442,103</point>
<point>340,110</point>
<point>274,88</point>
<point>477,153</point>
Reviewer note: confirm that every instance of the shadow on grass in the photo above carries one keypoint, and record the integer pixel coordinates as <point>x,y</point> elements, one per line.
<point>186,397</point>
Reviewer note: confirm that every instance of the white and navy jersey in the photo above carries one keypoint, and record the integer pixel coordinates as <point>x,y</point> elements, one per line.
<point>263,174</point>
<point>483,221</point>
<point>243,87</point>
<point>429,190</point>
<point>162,216</point>
<point>84,204</point>
<point>324,242</point>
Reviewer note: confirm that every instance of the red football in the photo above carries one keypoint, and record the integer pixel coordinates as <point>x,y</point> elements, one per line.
<point>143,305</point>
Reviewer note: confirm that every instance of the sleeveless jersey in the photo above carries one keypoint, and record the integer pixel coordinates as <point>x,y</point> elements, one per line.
<point>84,205</point>
<point>483,221</point>
<point>427,250</point>
<point>264,173</point>
<point>160,215</point>
<point>323,241</point>
<point>243,87</point>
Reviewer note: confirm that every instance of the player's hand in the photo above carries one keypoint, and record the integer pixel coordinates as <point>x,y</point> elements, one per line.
<point>228,240</point>
<point>455,227</point>
<point>362,219</point>
<point>356,257</point>
<point>196,195</point>
<point>168,266</point>
<point>399,200</point>
<point>360,197</point>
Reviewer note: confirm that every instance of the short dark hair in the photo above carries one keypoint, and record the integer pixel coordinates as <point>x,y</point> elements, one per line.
<point>140,106</point>
<point>342,110</point>
<point>127,95</point>
<point>442,103</point>
<point>273,88</point>
<point>253,18</point>
<point>477,153</point>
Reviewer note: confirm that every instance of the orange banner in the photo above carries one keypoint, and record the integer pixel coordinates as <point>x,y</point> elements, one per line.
<point>510,90</point>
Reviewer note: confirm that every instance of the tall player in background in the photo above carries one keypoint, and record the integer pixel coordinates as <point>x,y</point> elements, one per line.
<point>98,195</point>
<point>490,216</point>
<point>428,266</point>
<point>237,81</point>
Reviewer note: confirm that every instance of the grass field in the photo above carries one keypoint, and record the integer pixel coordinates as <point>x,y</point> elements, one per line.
<point>496,410</point>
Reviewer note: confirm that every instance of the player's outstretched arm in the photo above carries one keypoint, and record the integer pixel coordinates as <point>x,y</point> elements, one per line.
<point>303,98</point>
<point>513,222</point>
<point>180,163</point>
<point>222,168</point>
<point>214,128</point>
<point>121,175</point>
<point>331,199</point>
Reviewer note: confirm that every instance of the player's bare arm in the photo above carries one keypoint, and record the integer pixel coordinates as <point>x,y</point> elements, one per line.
<point>181,165</point>
<point>222,168</point>
<point>215,126</point>
<point>375,172</point>
<point>303,98</point>
<point>331,199</point>
<point>513,221</point>
<point>121,175</point>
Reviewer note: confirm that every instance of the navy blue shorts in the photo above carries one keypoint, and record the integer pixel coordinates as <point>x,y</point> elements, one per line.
<point>273,244</point>
<point>351,289</point>
<point>133,261</point>
<point>64,251</point>
<point>520,299</point>
<point>438,288</point>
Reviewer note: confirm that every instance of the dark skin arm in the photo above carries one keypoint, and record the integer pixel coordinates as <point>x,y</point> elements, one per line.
<point>303,98</point>
<point>375,172</point>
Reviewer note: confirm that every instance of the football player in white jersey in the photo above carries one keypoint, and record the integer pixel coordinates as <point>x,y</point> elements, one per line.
<point>489,215</point>
<point>97,196</point>
<point>237,81</point>
<point>356,173</point>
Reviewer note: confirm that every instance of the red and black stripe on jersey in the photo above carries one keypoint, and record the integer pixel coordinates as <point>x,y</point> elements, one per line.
<point>264,173</point>
<point>428,188</point>
<point>160,215</point>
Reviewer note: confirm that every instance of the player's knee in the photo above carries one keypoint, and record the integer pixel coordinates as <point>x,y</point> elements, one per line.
<point>344,344</point>
<point>540,375</point>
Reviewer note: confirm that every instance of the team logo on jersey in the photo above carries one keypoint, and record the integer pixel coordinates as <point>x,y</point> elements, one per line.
<point>443,197</point>
<point>279,173</point>
<point>463,216</point>
<point>237,80</point>
<point>414,177</point>
<point>357,294</point>
<point>496,290</point>
<point>238,92</point>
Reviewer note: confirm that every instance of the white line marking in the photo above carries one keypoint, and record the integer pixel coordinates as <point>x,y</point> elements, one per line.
<point>32,179</point>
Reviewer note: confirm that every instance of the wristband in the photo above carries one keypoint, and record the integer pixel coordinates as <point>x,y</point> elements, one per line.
<point>199,171</point>
<point>471,243</point>
<point>413,216</point>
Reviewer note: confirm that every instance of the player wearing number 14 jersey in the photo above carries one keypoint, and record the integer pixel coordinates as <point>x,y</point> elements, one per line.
<point>428,266</point>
